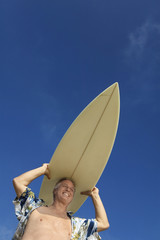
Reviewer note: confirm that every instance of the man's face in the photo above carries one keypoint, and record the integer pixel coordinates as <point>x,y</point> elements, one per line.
<point>65,192</point>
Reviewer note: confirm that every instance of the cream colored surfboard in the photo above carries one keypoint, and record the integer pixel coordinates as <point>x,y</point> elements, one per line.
<point>85,148</point>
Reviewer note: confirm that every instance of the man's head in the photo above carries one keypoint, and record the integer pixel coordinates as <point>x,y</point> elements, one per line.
<point>64,190</point>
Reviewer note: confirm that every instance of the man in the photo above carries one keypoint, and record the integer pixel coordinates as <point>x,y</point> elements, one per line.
<point>40,222</point>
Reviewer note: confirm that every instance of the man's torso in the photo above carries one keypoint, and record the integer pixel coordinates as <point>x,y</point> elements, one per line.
<point>43,224</point>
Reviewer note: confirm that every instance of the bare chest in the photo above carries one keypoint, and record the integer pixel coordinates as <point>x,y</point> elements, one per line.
<point>45,226</point>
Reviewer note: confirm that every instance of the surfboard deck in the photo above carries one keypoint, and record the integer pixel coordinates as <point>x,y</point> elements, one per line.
<point>84,150</point>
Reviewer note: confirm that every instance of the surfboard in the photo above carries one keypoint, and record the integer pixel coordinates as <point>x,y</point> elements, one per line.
<point>84,150</point>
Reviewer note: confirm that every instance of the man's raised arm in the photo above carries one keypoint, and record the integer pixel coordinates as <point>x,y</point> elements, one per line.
<point>101,216</point>
<point>21,182</point>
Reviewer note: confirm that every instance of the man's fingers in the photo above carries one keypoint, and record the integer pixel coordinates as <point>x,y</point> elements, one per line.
<point>46,171</point>
<point>88,193</point>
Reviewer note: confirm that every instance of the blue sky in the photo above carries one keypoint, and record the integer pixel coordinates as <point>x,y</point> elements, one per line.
<point>56,56</point>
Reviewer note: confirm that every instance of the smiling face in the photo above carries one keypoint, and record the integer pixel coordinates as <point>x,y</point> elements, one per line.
<point>64,192</point>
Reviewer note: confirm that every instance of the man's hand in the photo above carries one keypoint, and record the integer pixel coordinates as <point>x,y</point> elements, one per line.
<point>46,170</point>
<point>91,193</point>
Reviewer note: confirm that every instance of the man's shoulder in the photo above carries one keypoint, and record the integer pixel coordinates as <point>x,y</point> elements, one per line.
<point>83,221</point>
<point>28,201</point>
<point>78,219</point>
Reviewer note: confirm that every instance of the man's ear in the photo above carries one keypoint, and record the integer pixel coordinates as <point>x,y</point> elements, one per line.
<point>54,193</point>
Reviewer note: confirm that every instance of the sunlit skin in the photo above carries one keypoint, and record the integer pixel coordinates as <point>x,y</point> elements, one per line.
<point>48,223</point>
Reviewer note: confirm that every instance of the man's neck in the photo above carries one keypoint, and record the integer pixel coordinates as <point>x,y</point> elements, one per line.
<point>59,209</point>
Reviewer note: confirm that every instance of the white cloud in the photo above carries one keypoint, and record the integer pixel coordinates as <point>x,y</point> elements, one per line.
<point>142,58</point>
<point>6,233</point>
<point>144,38</point>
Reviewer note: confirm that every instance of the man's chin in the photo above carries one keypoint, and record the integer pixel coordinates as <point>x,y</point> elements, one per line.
<point>66,200</point>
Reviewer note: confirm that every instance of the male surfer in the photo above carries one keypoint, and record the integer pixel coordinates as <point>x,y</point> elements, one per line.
<point>38,221</point>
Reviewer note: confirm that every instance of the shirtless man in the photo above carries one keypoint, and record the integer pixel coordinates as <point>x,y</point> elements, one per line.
<point>41,222</point>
